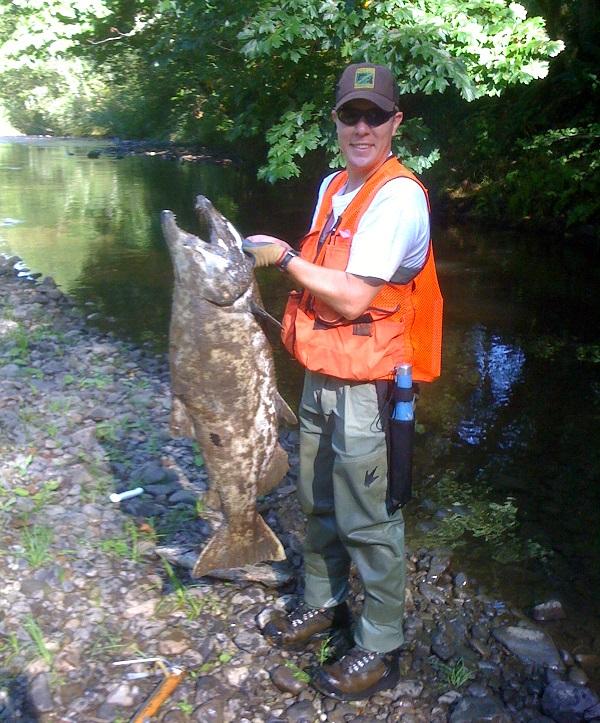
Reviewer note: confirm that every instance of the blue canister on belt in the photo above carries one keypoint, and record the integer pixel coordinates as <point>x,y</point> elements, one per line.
<point>400,439</point>
<point>403,399</point>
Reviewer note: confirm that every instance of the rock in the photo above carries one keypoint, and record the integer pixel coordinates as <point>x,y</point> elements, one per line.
<point>477,690</point>
<point>10,371</point>
<point>175,715</point>
<point>236,675</point>
<point>286,679</point>
<point>437,567</point>
<point>436,595</point>
<point>40,694</point>
<point>152,473</point>
<point>207,687</point>
<point>567,702</point>
<point>551,610</point>
<point>480,710</point>
<point>100,414</point>
<point>588,661</point>
<point>577,676</point>
<point>186,497</point>
<point>124,695</point>
<point>530,645</point>
<point>408,689</point>
<point>251,642</point>
<point>443,645</point>
<point>449,698</point>
<point>210,712</point>
<point>173,642</point>
<point>85,438</point>
<point>460,580</point>
<point>302,712</point>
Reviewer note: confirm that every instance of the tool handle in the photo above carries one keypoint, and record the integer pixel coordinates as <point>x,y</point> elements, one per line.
<point>158,697</point>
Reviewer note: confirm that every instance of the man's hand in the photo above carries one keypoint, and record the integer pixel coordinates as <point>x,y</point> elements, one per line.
<point>266,250</point>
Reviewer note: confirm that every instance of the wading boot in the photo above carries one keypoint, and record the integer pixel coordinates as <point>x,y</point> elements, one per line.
<point>358,675</point>
<point>295,629</point>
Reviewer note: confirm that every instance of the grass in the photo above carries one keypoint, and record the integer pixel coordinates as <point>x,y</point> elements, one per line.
<point>198,459</point>
<point>37,637</point>
<point>112,643</point>
<point>36,545</point>
<point>324,651</point>
<point>99,381</point>
<point>10,647</point>
<point>182,598</point>
<point>40,498</point>
<point>454,674</point>
<point>297,672</point>
<point>126,545</point>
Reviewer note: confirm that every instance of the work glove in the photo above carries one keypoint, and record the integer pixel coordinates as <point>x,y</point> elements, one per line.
<point>267,252</point>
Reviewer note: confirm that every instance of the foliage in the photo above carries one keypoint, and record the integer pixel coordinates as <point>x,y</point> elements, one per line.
<point>260,69</point>
<point>454,674</point>
<point>46,88</point>
<point>37,637</point>
<point>533,154</point>
<point>324,651</point>
<point>37,541</point>
<point>297,672</point>
<point>475,514</point>
<point>552,175</point>
<point>477,48</point>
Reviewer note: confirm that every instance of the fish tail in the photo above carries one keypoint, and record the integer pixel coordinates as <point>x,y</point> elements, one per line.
<point>226,550</point>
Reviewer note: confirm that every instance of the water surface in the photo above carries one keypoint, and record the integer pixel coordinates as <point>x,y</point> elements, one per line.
<point>512,421</point>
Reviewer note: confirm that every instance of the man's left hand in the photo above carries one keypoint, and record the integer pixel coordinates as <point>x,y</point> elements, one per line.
<point>266,250</point>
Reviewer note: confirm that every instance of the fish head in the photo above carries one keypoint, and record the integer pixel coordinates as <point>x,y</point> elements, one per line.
<point>216,269</point>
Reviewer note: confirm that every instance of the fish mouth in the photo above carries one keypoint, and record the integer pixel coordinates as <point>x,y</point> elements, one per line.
<point>183,239</point>
<point>221,232</point>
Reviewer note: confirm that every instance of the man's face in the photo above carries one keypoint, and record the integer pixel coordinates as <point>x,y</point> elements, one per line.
<point>365,147</point>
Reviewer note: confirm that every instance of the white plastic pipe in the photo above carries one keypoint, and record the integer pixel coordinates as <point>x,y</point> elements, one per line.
<point>119,496</point>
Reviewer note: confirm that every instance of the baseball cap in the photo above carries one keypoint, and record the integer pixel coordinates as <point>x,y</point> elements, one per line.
<point>369,82</point>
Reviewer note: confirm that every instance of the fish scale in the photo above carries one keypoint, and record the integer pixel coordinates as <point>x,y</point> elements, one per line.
<point>223,386</point>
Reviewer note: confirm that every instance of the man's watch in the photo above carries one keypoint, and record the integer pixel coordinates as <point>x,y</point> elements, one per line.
<point>286,258</point>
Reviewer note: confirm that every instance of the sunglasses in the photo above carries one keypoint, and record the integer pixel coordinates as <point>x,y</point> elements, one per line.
<point>373,117</point>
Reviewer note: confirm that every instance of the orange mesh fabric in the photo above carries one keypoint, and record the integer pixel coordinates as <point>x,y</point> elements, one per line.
<point>407,324</point>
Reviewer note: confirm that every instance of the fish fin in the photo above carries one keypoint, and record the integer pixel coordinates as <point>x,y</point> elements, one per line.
<point>284,412</point>
<point>276,471</point>
<point>182,424</point>
<point>262,314</point>
<point>226,550</point>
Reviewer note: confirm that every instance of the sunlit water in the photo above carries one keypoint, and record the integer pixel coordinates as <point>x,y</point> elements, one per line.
<point>515,414</point>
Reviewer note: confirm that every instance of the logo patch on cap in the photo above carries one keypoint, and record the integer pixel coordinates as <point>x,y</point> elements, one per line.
<point>364,78</point>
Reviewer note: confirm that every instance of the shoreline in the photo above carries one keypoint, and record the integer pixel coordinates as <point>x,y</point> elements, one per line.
<point>120,148</point>
<point>84,414</point>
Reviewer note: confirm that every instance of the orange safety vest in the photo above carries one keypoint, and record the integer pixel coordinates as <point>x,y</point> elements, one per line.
<point>402,324</point>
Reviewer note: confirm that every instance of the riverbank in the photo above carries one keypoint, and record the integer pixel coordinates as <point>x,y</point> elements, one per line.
<point>82,415</point>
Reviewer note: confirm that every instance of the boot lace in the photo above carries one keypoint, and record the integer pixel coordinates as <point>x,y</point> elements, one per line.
<point>302,614</point>
<point>357,659</point>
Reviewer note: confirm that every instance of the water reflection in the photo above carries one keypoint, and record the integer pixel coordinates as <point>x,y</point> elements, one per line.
<point>499,366</point>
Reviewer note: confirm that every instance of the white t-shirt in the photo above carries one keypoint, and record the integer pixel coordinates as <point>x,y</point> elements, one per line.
<point>393,232</point>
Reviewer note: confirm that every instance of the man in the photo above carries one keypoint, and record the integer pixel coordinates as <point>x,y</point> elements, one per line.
<point>370,302</point>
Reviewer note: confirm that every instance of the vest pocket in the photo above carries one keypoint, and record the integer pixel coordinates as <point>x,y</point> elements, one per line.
<point>288,323</point>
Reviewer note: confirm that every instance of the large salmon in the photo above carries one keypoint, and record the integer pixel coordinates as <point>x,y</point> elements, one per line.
<point>223,386</point>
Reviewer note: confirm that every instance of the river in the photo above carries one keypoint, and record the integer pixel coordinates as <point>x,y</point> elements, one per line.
<point>508,439</point>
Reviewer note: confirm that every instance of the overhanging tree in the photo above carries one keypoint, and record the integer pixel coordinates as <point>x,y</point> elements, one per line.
<point>478,47</point>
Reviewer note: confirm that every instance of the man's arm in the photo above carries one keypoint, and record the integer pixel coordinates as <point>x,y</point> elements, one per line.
<point>348,294</point>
